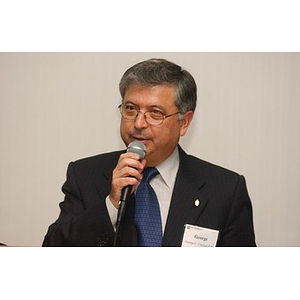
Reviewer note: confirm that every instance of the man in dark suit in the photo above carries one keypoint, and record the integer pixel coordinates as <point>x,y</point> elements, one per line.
<point>158,103</point>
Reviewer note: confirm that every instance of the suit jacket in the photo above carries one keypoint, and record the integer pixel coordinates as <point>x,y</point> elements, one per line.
<point>84,221</point>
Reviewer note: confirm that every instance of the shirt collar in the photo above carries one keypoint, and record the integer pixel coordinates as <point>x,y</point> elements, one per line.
<point>168,168</point>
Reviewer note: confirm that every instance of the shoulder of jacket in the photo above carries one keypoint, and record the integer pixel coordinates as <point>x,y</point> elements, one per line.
<point>203,166</point>
<point>99,157</point>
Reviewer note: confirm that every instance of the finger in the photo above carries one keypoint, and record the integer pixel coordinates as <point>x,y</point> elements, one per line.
<point>130,160</point>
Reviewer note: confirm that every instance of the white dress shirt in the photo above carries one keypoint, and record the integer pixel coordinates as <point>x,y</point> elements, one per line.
<point>163,185</point>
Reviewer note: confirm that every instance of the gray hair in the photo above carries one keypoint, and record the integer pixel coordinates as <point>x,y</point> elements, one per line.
<point>161,71</point>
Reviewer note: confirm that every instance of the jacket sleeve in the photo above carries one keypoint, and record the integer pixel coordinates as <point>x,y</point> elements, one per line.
<point>239,230</point>
<point>83,220</point>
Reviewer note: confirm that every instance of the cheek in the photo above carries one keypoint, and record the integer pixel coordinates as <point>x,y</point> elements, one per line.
<point>124,130</point>
<point>169,135</point>
<point>126,125</point>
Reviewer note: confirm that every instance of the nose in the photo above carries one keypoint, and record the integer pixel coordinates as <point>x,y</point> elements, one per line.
<point>140,121</point>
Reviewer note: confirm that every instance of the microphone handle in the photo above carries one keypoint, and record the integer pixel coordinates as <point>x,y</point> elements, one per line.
<point>121,212</point>
<point>123,202</point>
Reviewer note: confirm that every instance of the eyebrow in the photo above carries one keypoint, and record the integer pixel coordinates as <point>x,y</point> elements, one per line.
<point>155,106</point>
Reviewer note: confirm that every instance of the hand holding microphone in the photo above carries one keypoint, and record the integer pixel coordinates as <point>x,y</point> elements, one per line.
<point>127,173</point>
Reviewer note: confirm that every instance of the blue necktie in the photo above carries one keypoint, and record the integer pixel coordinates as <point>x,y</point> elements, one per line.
<point>147,213</point>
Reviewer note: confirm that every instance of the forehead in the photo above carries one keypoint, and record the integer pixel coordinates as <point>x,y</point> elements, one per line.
<point>141,95</point>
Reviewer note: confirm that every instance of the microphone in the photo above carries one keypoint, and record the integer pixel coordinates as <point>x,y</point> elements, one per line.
<point>139,149</point>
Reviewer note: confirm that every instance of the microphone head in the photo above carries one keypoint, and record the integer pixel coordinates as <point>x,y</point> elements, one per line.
<point>138,148</point>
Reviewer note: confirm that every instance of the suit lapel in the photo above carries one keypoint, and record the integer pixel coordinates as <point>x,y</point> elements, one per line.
<point>187,201</point>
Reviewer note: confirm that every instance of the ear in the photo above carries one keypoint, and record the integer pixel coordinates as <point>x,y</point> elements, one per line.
<point>185,122</point>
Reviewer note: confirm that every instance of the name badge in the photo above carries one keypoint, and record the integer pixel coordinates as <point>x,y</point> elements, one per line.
<point>195,236</point>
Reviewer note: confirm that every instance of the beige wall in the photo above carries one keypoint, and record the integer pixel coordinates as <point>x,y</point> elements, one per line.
<point>58,107</point>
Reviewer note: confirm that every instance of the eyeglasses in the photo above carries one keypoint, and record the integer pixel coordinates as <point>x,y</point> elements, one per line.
<point>152,117</point>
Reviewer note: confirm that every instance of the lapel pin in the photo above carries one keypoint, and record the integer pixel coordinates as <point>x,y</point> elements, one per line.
<point>197,202</point>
